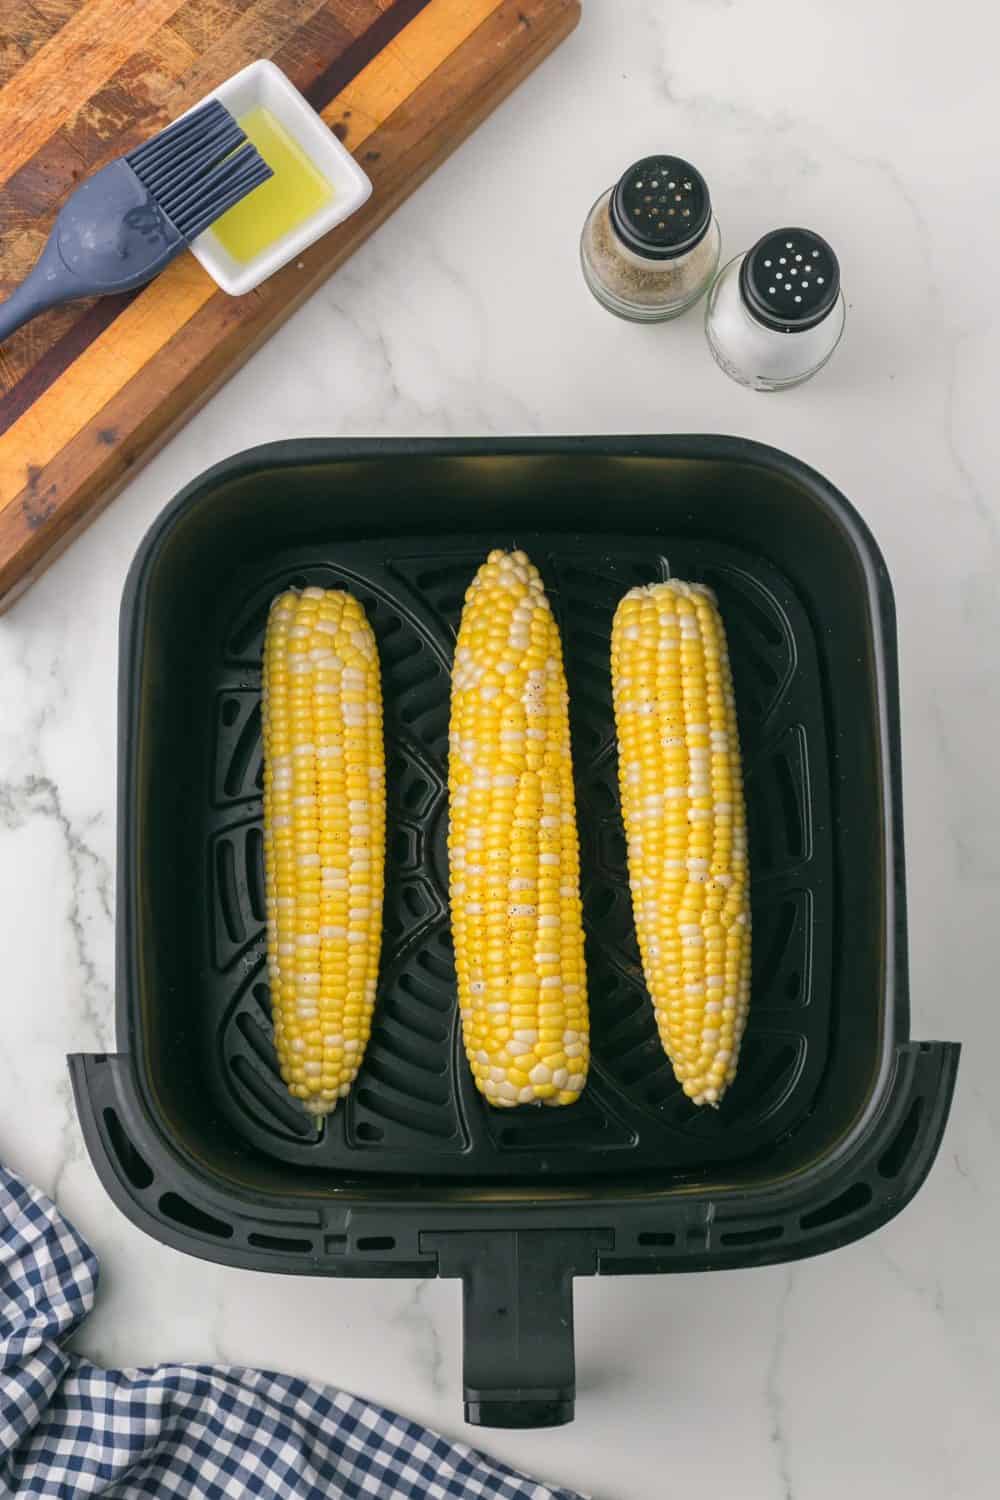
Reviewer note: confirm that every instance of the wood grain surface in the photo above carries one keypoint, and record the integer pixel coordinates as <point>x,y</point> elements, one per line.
<point>88,392</point>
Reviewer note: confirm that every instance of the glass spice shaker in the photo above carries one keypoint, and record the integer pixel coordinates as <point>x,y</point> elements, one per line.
<point>776,314</point>
<point>650,246</point>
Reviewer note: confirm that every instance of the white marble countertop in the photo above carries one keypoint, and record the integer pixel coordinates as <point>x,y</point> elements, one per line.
<point>870,1372</point>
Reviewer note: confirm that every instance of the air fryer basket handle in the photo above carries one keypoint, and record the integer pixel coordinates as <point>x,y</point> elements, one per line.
<point>519,1367</point>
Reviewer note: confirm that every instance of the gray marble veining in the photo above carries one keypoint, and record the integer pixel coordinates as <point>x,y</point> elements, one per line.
<point>870,1372</point>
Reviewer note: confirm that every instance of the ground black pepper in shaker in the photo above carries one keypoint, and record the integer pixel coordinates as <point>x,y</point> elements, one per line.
<point>650,245</point>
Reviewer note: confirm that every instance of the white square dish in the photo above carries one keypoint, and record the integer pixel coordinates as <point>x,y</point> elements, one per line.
<point>263,83</point>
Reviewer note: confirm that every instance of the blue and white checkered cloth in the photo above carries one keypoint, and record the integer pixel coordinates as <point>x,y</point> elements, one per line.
<point>202,1432</point>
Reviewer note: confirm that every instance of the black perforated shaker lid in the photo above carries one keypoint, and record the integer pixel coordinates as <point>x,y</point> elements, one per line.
<point>660,207</point>
<point>790,280</point>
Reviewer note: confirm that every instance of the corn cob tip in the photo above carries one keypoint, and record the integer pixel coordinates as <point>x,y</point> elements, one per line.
<point>678,587</point>
<point>318,1108</point>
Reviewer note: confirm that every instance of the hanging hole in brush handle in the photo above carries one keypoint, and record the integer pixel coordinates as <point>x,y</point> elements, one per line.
<point>519,1366</point>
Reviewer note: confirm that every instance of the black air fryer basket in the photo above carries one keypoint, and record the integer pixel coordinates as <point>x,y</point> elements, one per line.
<point>836,1115</point>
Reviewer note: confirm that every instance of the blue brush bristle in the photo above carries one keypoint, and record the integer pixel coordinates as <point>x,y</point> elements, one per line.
<point>198,167</point>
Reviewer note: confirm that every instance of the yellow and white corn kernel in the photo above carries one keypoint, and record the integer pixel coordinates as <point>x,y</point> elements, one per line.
<point>324,837</point>
<point>685,822</point>
<point>512,844</point>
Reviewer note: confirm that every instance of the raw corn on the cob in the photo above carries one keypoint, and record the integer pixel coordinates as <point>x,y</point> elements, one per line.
<point>685,822</point>
<point>324,837</point>
<point>513,849</point>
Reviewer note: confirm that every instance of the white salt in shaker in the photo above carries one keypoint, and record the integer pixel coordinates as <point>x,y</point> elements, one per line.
<point>776,314</point>
<point>650,245</point>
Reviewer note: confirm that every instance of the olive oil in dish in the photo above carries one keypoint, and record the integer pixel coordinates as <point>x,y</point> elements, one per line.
<point>295,191</point>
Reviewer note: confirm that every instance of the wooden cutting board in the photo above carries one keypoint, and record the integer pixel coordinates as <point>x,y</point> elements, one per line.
<point>89,392</point>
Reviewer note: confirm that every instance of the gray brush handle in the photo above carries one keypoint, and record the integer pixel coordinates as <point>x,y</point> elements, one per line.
<point>25,303</point>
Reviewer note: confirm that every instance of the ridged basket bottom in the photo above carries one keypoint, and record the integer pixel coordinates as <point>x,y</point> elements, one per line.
<point>413,1109</point>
